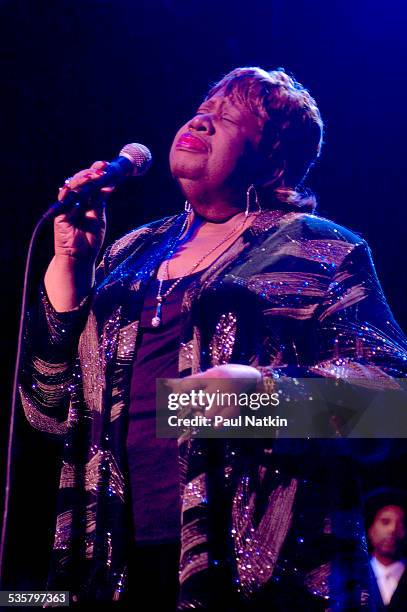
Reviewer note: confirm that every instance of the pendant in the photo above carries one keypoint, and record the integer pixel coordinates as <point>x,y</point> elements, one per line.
<point>156,320</point>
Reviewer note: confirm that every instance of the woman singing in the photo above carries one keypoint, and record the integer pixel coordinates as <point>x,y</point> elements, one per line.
<point>246,283</point>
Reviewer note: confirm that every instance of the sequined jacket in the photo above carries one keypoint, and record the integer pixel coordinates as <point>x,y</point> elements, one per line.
<point>262,521</point>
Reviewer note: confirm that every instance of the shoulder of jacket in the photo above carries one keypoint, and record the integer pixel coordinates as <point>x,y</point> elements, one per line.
<point>125,244</point>
<point>313,227</point>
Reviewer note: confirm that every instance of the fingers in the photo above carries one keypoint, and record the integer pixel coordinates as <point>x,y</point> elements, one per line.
<point>185,385</point>
<point>96,213</point>
<point>99,165</point>
<point>81,178</point>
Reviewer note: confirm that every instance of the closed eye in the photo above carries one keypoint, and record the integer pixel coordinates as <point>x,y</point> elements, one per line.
<point>229,119</point>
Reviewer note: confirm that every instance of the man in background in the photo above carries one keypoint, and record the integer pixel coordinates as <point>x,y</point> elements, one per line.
<point>386,510</point>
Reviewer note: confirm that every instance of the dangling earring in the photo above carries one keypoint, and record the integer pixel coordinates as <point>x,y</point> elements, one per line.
<point>187,207</point>
<point>252,189</point>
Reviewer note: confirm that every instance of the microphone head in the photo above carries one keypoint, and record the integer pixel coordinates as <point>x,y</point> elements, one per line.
<point>139,156</point>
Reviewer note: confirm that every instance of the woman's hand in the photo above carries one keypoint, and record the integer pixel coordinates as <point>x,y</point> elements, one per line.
<point>80,234</point>
<point>78,238</point>
<point>229,378</point>
<point>230,371</point>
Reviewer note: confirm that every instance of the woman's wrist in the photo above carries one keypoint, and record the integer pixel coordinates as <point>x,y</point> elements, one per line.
<point>67,281</point>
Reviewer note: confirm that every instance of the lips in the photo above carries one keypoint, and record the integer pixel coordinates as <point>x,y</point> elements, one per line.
<point>192,143</point>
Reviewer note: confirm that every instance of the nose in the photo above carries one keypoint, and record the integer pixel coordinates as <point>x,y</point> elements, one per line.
<point>202,123</point>
<point>392,528</point>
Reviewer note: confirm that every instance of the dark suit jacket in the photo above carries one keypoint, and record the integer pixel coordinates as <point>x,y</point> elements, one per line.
<point>398,602</point>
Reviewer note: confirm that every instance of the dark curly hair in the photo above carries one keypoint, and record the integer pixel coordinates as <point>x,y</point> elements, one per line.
<point>292,131</point>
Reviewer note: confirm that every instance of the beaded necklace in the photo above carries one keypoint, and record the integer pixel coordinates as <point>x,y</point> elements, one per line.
<point>156,320</point>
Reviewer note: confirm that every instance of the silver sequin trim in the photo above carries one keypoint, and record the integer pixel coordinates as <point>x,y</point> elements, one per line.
<point>92,368</point>
<point>194,493</point>
<point>101,460</point>
<point>223,340</point>
<point>127,342</point>
<point>257,549</point>
<point>39,420</point>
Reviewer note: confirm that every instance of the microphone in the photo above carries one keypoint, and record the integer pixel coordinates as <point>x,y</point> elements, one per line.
<point>133,160</point>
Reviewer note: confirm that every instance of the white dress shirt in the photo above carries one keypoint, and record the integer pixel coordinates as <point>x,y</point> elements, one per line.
<point>387,577</point>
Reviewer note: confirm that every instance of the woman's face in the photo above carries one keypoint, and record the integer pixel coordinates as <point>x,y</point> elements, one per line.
<point>215,152</point>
